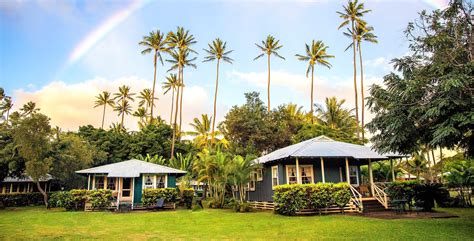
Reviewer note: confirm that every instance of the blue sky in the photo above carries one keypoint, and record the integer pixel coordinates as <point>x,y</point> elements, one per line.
<point>37,39</point>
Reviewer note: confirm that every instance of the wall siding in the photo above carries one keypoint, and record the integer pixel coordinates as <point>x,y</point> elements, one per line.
<point>137,190</point>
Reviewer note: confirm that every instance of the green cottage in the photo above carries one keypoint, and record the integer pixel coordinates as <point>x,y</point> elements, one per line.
<point>129,178</point>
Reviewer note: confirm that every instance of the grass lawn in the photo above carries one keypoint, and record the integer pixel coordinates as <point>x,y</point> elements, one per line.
<point>38,223</point>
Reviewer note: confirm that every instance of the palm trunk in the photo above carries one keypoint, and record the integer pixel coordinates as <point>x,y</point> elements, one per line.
<point>181,101</point>
<point>355,80</point>
<point>268,88</point>
<point>153,90</point>
<point>45,195</point>
<point>103,116</point>
<point>312,93</point>
<point>172,107</point>
<point>362,90</point>
<point>175,129</point>
<point>215,101</point>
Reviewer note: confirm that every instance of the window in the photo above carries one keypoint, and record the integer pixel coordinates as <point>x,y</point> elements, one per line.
<point>354,175</point>
<point>99,182</point>
<point>148,182</point>
<point>274,176</point>
<point>306,174</point>
<point>111,183</point>
<point>160,181</point>
<point>7,188</point>
<point>259,174</point>
<point>291,174</point>
<point>126,187</point>
<point>251,185</point>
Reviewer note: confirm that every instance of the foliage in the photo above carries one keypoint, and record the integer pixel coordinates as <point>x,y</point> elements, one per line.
<point>22,199</point>
<point>419,194</point>
<point>289,199</point>
<point>100,198</point>
<point>460,175</point>
<point>187,196</point>
<point>430,101</point>
<point>150,196</point>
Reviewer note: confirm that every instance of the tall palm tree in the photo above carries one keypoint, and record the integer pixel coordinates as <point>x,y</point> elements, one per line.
<point>171,83</point>
<point>202,131</point>
<point>146,99</point>
<point>155,41</point>
<point>269,46</point>
<point>181,41</point>
<point>104,99</point>
<point>29,108</point>
<point>6,106</point>
<point>217,51</point>
<point>123,106</point>
<point>352,14</point>
<point>362,33</point>
<point>315,54</point>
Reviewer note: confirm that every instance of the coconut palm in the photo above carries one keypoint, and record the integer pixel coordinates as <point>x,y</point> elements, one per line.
<point>295,111</point>
<point>269,46</point>
<point>335,116</point>
<point>315,54</point>
<point>142,115</point>
<point>352,14</point>
<point>171,83</point>
<point>123,106</point>
<point>155,41</point>
<point>6,106</point>
<point>104,99</point>
<point>202,131</point>
<point>217,51</point>
<point>29,108</point>
<point>146,99</point>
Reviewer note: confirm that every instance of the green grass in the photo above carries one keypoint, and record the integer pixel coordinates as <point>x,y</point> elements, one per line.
<point>38,223</point>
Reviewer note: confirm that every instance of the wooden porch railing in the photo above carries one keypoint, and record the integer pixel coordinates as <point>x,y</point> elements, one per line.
<point>356,198</point>
<point>381,196</point>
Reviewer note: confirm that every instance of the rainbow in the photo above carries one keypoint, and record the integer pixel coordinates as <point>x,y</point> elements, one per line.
<point>103,29</point>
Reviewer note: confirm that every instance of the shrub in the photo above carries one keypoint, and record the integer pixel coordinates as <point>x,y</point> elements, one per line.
<point>59,199</point>
<point>341,195</point>
<point>150,196</point>
<point>187,197</point>
<point>22,199</point>
<point>320,195</point>
<point>100,198</point>
<point>421,195</point>
<point>290,198</point>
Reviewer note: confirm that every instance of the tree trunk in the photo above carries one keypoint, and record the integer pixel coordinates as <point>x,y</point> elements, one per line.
<point>355,80</point>
<point>45,195</point>
<point>362,91</point>
<point>181,101</point>
<point>312,92</point>
<point>215,101</point>
<point>8,114</point>
<point>153,90</point>
<point>268,88</point>
<point>172,107</point>
<point>103,116</point>
<point>175,129</point>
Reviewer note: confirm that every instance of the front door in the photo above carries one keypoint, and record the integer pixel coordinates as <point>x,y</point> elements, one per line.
<point>126,188</point>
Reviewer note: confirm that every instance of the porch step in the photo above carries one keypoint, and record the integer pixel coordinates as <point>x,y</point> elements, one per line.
<point>372,205</point>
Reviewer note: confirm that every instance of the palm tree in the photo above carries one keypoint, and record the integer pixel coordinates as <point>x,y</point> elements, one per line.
<point>155,41</point>
<point>146,99</point>
<point>142,115</point>
<point>104,99</point>
<point>171,83</point>
<point>269,46</point>
<point>202,131</point>
<point>217,51</point>
<point>352,14</point>
<point>123,107</point>
<point>29,108</point>
<point>6,106</point>
<point>315,54</point>
<point>335,116</point>
<point>2,94</point>
<point>362,33</point>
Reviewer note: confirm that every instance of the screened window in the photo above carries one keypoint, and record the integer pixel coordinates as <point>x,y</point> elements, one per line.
<point>111,183</point>
<point>354,175</point>
<point>99,182</point>
<point>291,174</point>
<point>148,183</point>
<point>306,174</point>
<point>160,182</point>
<point>274,176</point>
<point>260,174</point>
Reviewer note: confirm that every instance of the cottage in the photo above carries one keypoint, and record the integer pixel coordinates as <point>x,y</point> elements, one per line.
<point>320,159</point>
<point>129,178</point>
<point>24,184</point>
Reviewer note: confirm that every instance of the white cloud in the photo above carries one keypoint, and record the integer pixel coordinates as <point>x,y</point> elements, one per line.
<point>71,105</point>
<point>381,63</point>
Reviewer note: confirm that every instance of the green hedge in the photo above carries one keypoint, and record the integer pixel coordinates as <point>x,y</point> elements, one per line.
<point>291,198</point>
<point>150,196</point>
<point>76,199</point>
<point>187,197</point>
<point>22,199</point>
<point>422,195</point>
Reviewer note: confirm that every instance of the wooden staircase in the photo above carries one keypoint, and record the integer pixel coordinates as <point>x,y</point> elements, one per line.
<point>371,204</point>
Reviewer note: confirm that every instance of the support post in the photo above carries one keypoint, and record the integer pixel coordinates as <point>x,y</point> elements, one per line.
<point>27,188</point>
<point>88,182</point>
<point>105,182</point>
<point>371,178</point>
<point>298,177</point>
<point>391,169</point>
<point>133,192</point>
<point>347,172</point>
<point>322,170</point>
<point>93,182</point>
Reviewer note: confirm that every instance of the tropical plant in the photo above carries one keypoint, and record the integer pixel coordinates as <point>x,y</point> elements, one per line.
<point>182,162</point>
<point>6,106</point>
<point>352,14</point>
<point>217,51</point>
<point>153,159</point>
<point>315,54</point>
<point>417,164</point>
<point>202,131</point>
<point>171,83</point>
<point>155,41</point>
<point>269,47</point>
<point>142,115</point>
<point>104,99</point>
<point>335,116</point>
<point>460,175</point>
<point>146,99</point>
<point>123,107</point>
<point>241,174</point>
<point>29,109</point>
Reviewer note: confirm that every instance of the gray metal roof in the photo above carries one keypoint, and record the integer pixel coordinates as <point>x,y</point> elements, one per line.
<point>25,178</point>
<point>130,168</point>
<point>322,146</point>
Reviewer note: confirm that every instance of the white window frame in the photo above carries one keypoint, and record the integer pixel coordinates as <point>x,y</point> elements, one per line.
<point>260,174</point>
<point>311,172</point>
<point>104,179</point>
<point>153,181</point>
<point>301,173</point>
<point>253,177</point>
<point>288,174</point>
<point>356,175</point>
<point>165,181</point>
<point>273,177</point>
